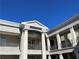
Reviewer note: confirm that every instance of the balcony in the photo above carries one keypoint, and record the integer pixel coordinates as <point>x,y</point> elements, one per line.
<point>9,57</point>
<point>66,39</point>
<point>9,45</point>
<point>34,40</point>
<point>34,57</point>
<point>34,44</point>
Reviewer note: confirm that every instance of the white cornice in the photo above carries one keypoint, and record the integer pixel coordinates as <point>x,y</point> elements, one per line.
<point>9,23</point>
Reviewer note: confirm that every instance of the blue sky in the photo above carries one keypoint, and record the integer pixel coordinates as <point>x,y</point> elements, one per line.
<point>49,12</point>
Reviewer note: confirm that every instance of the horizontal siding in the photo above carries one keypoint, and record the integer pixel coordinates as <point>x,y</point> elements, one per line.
<point>9,29</point>
<point>9,51</point>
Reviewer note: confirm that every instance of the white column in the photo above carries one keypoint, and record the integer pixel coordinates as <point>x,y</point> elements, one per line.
<point>24,45</point>
<point>49,57</point>
<point>74,37</point>
<point>58,41</point>
<point>48,44</point>
<point>43,47</point>
<point>61,56</point>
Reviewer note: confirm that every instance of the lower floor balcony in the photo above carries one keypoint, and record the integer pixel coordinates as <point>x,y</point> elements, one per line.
<point>17,57</point>
<point>64,56</point>
<point>35,57</point>
<point>30,56</point>
<point>69,56</point>
<point>9,57</point>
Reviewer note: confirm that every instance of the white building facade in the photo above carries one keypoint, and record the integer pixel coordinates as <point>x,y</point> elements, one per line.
<point>33,40</point>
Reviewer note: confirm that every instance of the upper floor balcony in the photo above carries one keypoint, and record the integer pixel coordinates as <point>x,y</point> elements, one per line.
<point>66,39</point>
<point>34,40</point>
<point>9,41</point>
<point>9,44</point>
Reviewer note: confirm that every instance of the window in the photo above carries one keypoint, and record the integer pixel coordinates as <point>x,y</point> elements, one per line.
<point>2,41</point>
